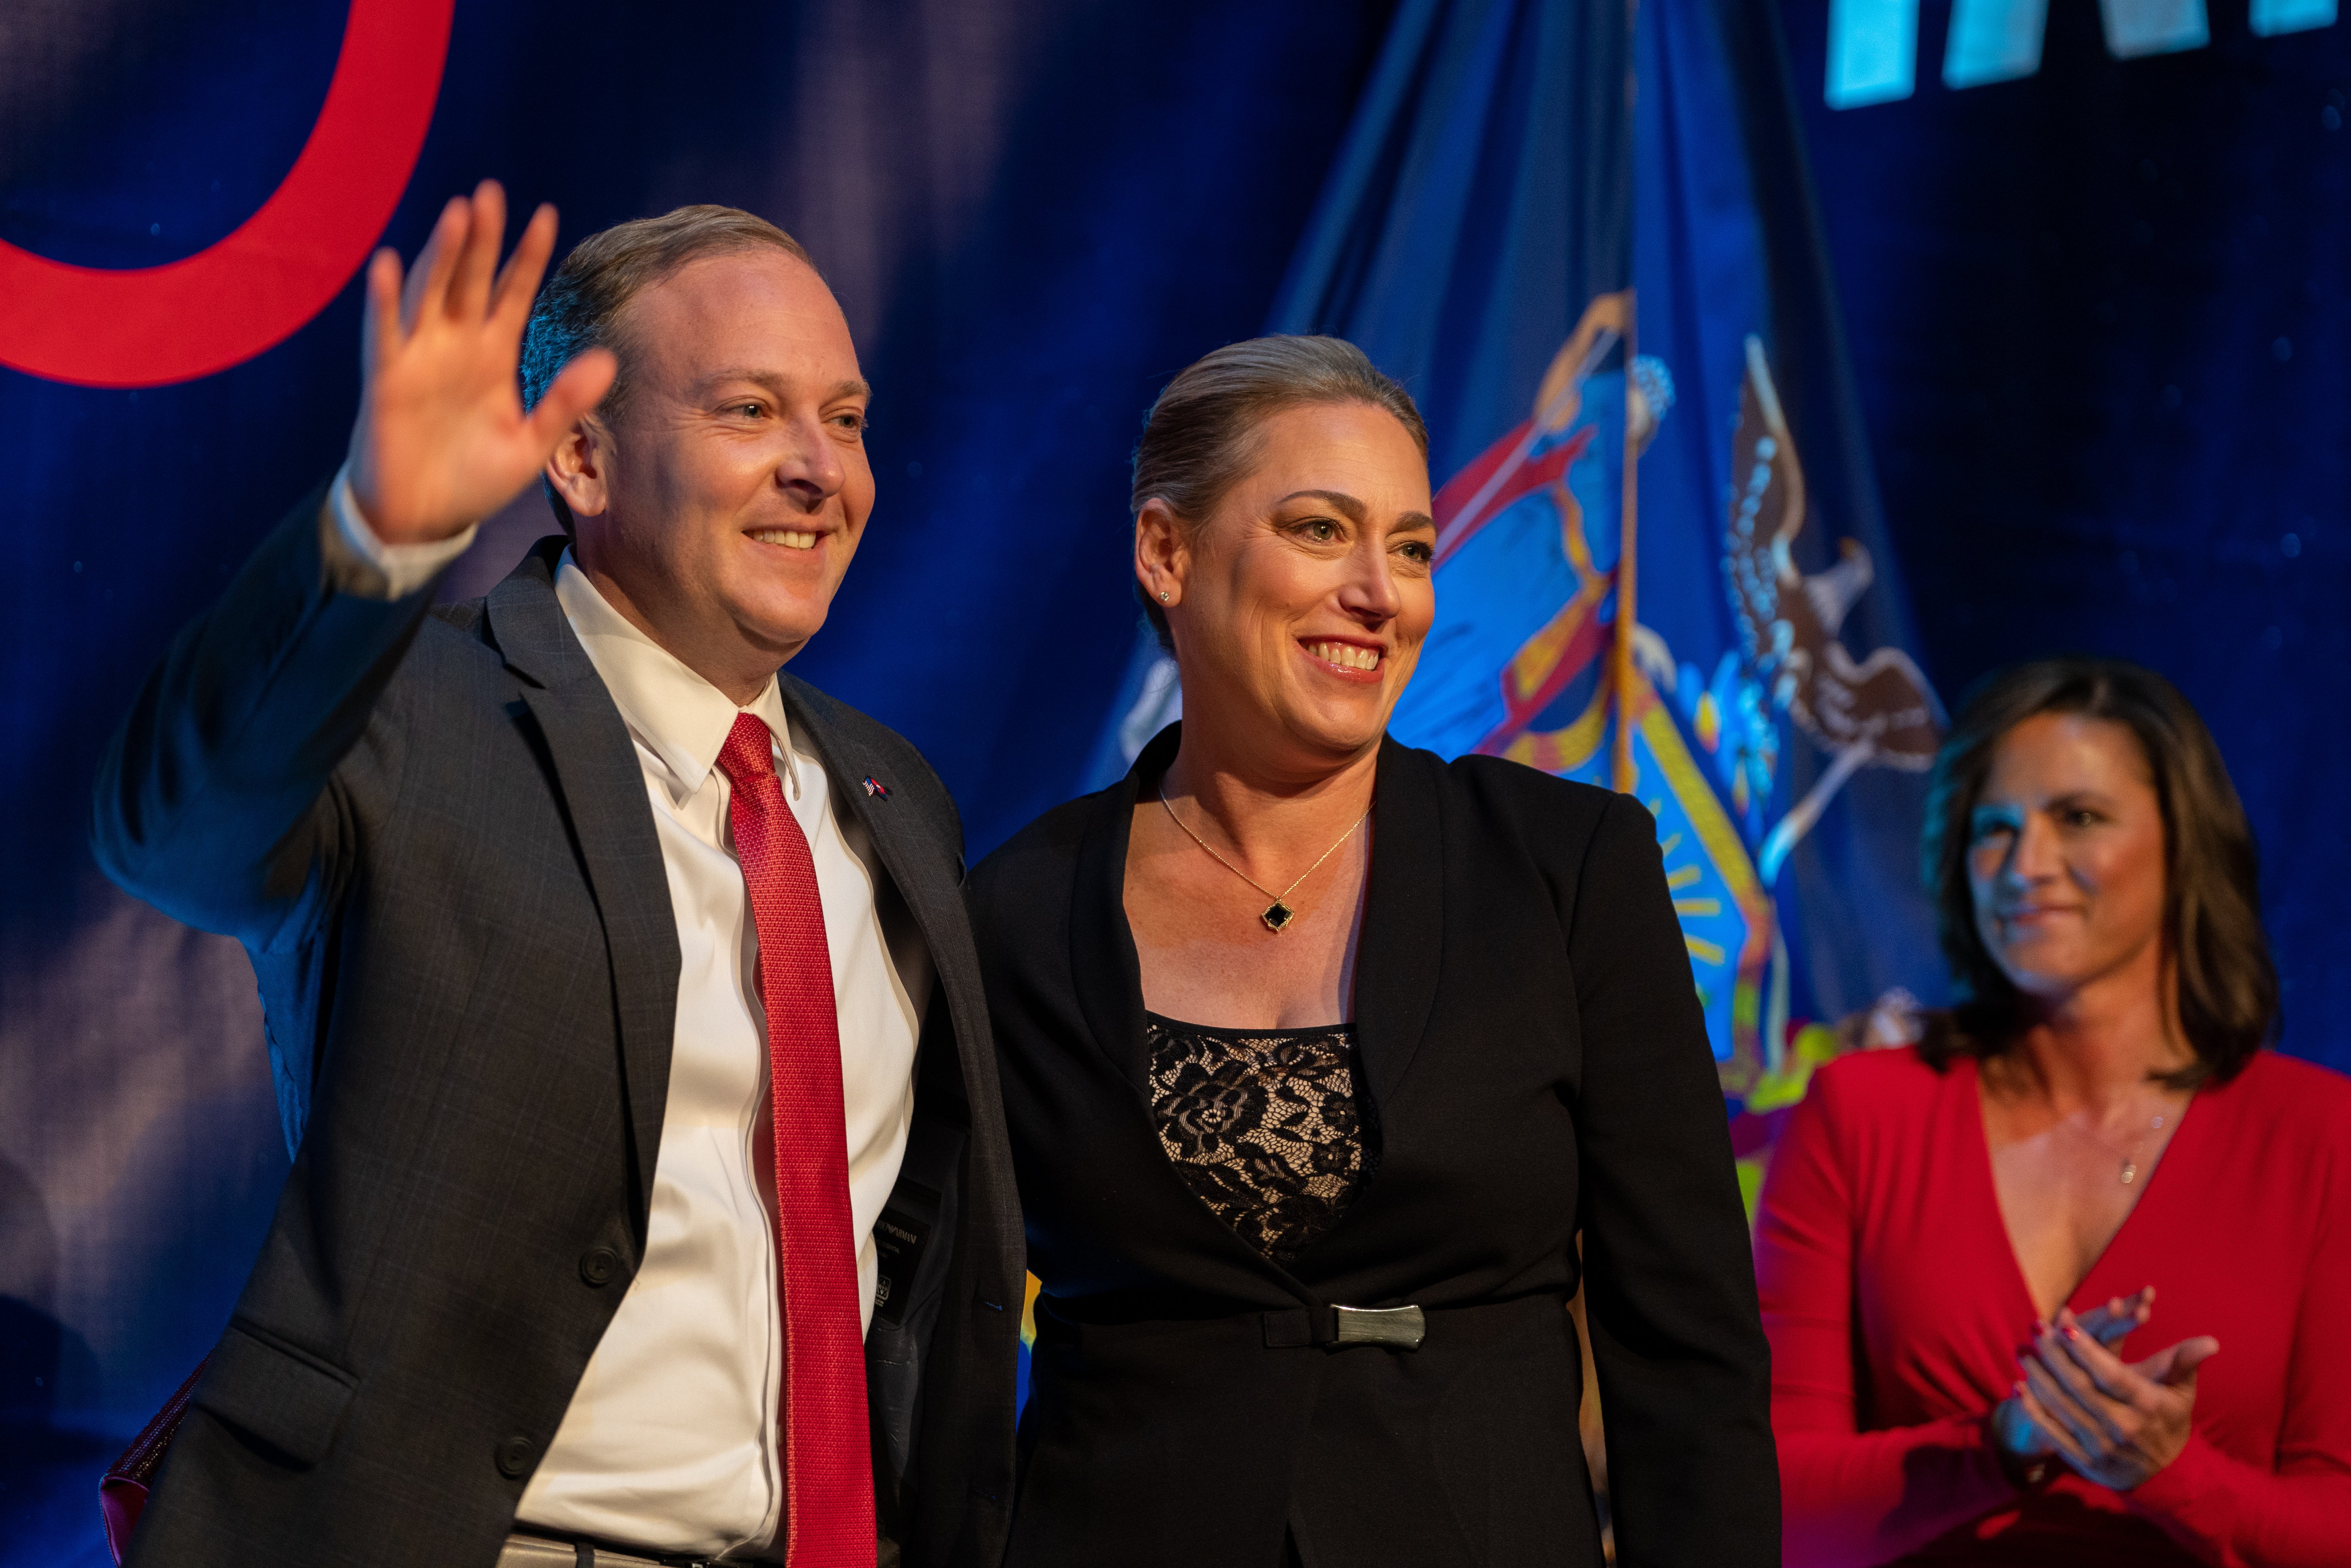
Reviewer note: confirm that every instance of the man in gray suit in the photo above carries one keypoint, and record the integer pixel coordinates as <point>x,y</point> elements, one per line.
<point>650,1200</point>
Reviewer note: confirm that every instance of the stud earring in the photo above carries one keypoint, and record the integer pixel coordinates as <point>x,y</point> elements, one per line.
<point>1163,596</point>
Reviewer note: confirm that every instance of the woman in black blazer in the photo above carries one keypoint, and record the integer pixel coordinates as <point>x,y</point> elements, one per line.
<point>1318,1051</point>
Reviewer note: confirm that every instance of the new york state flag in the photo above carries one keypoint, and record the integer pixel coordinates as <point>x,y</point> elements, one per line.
<point>1580,235</point>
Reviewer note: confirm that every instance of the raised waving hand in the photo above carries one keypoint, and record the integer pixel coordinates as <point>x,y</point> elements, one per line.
<point>441,440</point>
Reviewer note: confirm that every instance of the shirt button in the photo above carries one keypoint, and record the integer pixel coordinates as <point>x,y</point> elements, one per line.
<point>598,1265</point>
<point>515,1455</point>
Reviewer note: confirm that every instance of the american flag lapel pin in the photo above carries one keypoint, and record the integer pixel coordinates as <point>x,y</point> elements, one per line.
<point>875,787</point>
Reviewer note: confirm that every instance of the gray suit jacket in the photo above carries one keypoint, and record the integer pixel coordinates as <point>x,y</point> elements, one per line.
<point>430,829</point>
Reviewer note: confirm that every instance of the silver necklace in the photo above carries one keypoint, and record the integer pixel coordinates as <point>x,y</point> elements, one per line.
<point>1278,914</point>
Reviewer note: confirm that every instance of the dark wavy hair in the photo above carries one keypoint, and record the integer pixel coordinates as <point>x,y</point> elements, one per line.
<point>1205,432</point>
<point>2212,922</point>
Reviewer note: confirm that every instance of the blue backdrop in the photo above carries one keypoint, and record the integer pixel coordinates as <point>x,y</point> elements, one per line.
<point>2097,322</point>
<point>2100,316</point>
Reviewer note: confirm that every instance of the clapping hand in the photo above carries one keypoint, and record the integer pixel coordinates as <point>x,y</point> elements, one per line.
<point>2109,1324</point>
<point>443,440</point>
<point>2115,1423</point>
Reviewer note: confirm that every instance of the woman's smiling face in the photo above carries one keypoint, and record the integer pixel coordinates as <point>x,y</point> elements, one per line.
<point>1299,606</point>
<point>2065,855</point>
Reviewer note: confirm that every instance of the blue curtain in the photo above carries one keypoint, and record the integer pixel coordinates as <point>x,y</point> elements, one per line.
<point>2099,321</point>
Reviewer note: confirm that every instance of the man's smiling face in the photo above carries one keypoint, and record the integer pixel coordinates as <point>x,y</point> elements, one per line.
<point>728,496</point>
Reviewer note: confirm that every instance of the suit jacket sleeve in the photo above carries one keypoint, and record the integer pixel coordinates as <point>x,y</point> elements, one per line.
<point>215,801</point>
<point>1669,1288</point>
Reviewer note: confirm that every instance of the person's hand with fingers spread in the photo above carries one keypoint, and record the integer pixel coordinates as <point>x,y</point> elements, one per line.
<point>2021,1438</point>
<point>2114,1422</point>
<point>443,440</point>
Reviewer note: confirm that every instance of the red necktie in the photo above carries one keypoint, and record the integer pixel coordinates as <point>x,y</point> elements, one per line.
<point>828,1473</point>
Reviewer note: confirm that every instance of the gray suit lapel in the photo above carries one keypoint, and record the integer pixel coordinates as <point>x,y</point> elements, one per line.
<point>937,905</point>
<point>603,792</point>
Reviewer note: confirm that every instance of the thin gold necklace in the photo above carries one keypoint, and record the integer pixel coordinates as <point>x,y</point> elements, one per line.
<point>2128,1156</point>
<point>1278,914</point>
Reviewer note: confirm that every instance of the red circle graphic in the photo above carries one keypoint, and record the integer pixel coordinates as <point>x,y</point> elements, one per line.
<point>149,326</point>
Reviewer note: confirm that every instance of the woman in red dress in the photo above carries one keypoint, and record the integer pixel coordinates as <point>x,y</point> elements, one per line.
<point>2063,1283</point>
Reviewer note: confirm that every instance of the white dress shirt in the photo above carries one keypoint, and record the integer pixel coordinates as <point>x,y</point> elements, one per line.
<point>672,1440</point>
<point>361,564</point>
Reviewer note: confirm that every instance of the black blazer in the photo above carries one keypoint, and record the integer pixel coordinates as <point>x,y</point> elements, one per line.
<point>1535,1058</point>
<point>430,829</point>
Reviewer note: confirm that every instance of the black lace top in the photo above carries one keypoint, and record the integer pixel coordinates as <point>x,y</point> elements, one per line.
<point>1263,1126</point>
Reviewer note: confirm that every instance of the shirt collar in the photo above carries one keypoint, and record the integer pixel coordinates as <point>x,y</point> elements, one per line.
<point>676,714</point>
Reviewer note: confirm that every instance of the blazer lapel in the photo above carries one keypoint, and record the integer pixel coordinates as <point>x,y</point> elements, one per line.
<point>1398,956</point>
<point>603,788</point>
<point>933,899</point>
<point>1103,968</point>
<point>1397,959</point>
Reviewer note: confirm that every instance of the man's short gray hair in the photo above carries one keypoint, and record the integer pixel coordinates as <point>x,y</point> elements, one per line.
<point>579,309</point>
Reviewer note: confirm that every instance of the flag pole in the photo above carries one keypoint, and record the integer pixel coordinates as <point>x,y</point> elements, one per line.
<point>1627,602</point>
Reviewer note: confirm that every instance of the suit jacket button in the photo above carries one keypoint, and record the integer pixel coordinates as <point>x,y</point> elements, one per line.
<point>515,1455</point>
<point>598,1266</point>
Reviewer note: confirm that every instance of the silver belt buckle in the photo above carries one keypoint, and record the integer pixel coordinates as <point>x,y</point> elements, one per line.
<point>1398,1328</point>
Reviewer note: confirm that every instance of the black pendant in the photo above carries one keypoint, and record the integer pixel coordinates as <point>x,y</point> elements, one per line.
<point>1277,915</point>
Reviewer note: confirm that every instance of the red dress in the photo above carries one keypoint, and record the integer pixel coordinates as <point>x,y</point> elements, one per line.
<point>1895,1310</point>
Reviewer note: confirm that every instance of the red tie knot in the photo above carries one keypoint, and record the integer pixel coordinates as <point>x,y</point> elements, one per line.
<point>749,753</point>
